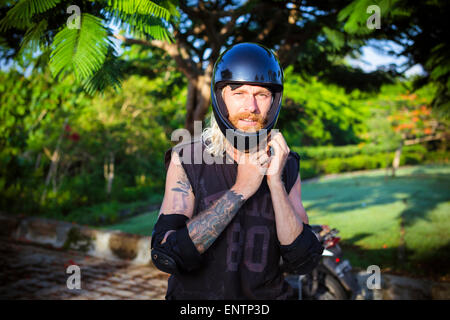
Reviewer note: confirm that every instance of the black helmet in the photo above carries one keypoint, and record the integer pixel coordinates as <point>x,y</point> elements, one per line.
<point>246,63</point>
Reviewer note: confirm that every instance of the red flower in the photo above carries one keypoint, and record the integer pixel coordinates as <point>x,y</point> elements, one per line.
<point>74,137</point>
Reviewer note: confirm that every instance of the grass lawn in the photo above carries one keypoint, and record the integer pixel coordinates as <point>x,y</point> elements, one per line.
<point>401,224</point>
<point>141,224</point>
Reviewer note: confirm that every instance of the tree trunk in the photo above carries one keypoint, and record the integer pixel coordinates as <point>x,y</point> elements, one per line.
<point>198,99</point>
<point>396,162</point>
<point>108,172</point>
<point>51,175</point>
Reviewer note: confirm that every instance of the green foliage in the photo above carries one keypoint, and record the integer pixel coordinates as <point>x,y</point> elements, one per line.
<point>110,75</point>
<point>39,114</point>
<point>355,14</point>
<point>82,50</point>
<point>378,140</point>
<point>338,151</point>
<point>34,37</point>
<point>142,25</point>
<point>336,38</point>
<point>439,64</point>
<point>85,50</point>
<point>22,13</point>
<point>140,7</point>
<point>330,160</point>
<point>318,114</point>
<point>407,23</point>
<point>439,156</point>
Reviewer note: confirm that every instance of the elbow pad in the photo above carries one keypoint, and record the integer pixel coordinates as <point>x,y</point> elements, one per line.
<point>304,254</point>
<point>178,254</point>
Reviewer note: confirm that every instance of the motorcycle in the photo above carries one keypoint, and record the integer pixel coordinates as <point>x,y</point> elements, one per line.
<point>332,279</point>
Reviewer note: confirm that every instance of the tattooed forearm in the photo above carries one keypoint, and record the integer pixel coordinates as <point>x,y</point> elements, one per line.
<point>183,184</point>
<point>181,193</point>
<point>208,224</point>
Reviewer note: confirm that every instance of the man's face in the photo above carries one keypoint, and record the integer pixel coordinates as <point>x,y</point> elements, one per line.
<point>247,106</point>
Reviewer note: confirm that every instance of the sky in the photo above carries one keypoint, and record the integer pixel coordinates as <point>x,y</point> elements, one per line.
<point>371,59</point>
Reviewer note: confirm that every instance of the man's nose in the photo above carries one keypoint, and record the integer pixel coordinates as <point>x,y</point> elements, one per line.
<point>251,104</point>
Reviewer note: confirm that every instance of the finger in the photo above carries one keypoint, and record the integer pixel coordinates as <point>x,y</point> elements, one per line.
<point>281,146</point>
<point>280,139</point>
<point>264,160</point>
<point>260,158</point>
<point>275,135</point>
<point>276,147</point>
<point>259,154</point>
<point>254,159</point>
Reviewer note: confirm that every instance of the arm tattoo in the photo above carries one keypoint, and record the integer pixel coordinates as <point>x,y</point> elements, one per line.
<point>181,194</point>
<point>208,224</point>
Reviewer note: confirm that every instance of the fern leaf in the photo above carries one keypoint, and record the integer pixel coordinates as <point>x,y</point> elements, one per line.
<point>109,75</point>
<point>144,7</point>
<point>141,25</point>
<point>335,37</point>
<point>81,50</point>
<point>33,37</point>
<point>20,15</point>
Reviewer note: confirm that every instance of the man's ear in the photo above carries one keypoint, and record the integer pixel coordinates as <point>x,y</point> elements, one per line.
<point>223,91</point>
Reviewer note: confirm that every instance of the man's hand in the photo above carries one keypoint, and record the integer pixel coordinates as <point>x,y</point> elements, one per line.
<point>251,170</point>
<point>280,153</point>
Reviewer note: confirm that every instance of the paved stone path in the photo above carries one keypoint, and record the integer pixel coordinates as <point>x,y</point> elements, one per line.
<point>30,271</point>
<point>33,272</point>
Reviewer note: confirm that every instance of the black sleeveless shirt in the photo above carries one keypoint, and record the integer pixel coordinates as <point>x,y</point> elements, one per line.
<point>243,262</point>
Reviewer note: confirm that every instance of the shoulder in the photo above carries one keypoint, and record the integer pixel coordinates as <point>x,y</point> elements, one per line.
<point>291,170</point>
<point>293,161</point>
<point>294,156</point>
<point>185,151</point>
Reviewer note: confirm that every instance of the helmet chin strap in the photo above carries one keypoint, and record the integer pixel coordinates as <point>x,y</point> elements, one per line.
<point>255,148</point>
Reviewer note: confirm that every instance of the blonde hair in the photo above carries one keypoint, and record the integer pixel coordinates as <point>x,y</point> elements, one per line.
<point>213,138</point>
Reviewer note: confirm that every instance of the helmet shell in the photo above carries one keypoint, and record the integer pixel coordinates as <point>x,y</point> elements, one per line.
<point>252,64</point>
<point>248,63</point>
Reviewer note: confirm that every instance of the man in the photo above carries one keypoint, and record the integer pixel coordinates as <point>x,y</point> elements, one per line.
<point>224,225</point>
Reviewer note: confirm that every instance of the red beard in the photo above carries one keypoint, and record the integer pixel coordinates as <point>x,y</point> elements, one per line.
<point>261,122</point>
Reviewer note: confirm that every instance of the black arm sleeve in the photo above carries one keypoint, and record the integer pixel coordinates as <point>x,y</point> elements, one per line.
<point>178,254</point>
<point>303,254</point>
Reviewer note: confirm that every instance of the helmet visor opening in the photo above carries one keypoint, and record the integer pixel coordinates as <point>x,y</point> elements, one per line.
<point>272,114</point>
